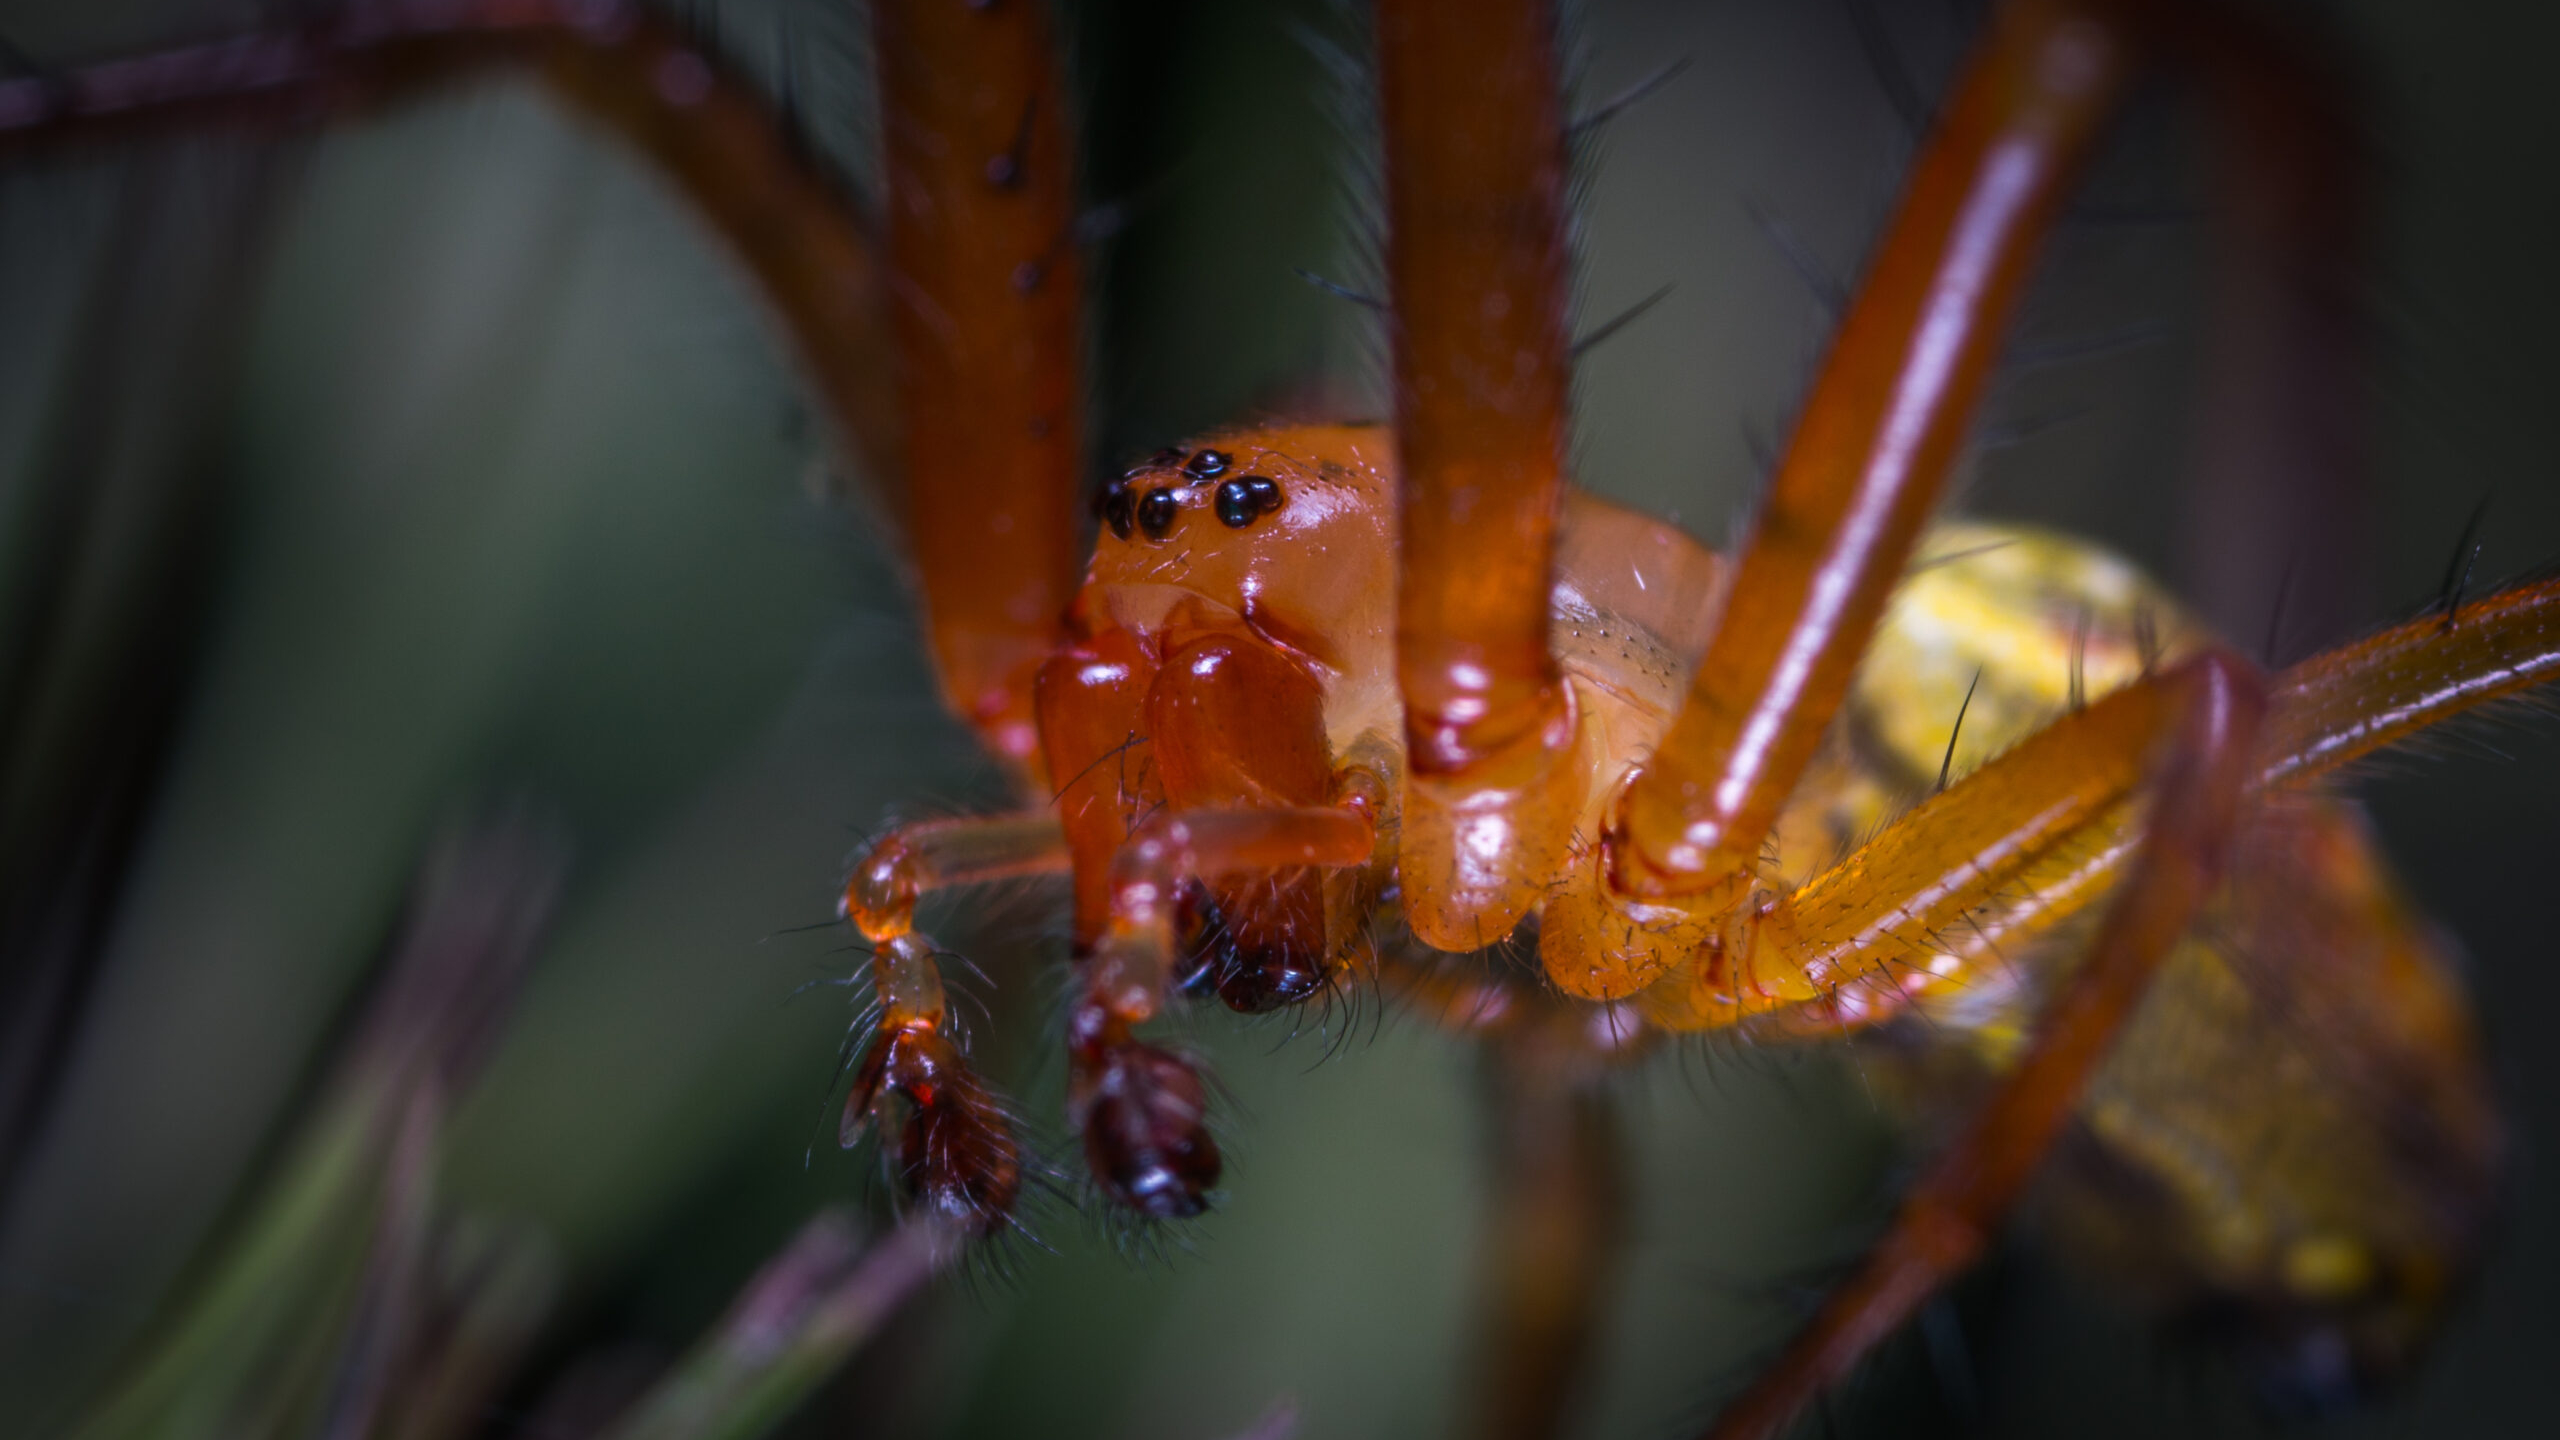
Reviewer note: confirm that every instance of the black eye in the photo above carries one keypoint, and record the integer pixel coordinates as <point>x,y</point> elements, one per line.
<point>1207,465</point>
<point>1117,507</point>
<point>1235,505</point>
<point>1156,512</point>
<point>1263,491</point>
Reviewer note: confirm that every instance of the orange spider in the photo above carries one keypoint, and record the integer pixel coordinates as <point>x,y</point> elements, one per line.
<point>1322,669</point>
<point>1315,674</point>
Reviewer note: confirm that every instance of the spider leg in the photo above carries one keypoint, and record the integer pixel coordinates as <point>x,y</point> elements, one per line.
<point>957,1150</point>
<point>1553,1239</point>
<point>1870,454</point>
<point>2340,706</point>
<point>1476,262</point>
<point>986,311</point>
<point>1142,1110</point>
<point>2034,835</point>
<point>621,66</point>
<point>1946,1220</point>
<point>2277,537</point>
<point>1554,1235</point>
<point>2005,852</point>
<point>2046,829</point>
<point>1881,426</point>
<point>960,380</point>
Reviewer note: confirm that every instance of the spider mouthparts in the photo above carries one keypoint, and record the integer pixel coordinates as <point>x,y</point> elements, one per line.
<point>1261,959</point>
<point>1267,979</point>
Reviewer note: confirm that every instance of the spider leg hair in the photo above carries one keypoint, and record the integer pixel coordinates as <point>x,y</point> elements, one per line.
<point>957,1152</point>
<point>2213,708</point>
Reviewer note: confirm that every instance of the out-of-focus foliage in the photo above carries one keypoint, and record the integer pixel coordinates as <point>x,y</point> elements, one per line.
<point>357,481</point>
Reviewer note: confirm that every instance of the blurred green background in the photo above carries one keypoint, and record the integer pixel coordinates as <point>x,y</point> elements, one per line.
<point>441,462</point>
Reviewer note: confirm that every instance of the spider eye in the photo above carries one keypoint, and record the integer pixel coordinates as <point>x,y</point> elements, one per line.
<point>1235,505</point>
<point>1162,458</point>
<point>1156,512</point>
<point>1117,507</point>
<point>1243,501</point>
<point>1207,465</point>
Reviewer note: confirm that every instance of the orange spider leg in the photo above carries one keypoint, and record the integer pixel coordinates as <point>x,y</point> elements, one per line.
<point>1877,437</point>
<point>1475,165</point>
<point>1554,1235</point>
<point>981,414</point>
<point>1143,1112</point>
<point>2334,709</point>
<point>707,131</point>
<point>2338,707</point>
<point>2005,852</point>
<point>2058,842</point>
<point>956,1151</point>
<point>1946,1220</point>
<point>2323,713</point>
<point>1860,934</point>
<point>2282,406</point>
<point>986,310</point>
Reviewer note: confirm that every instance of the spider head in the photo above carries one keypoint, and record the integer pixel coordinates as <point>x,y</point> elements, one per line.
<point>1289,531</point>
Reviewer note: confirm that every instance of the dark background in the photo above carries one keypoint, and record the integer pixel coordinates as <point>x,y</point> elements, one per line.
<point>477,474</point>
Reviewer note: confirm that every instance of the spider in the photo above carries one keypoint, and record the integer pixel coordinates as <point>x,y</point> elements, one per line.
<point>1261,726</point>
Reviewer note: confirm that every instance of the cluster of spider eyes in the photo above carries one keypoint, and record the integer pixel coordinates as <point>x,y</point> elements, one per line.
<point>1239,502</point>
